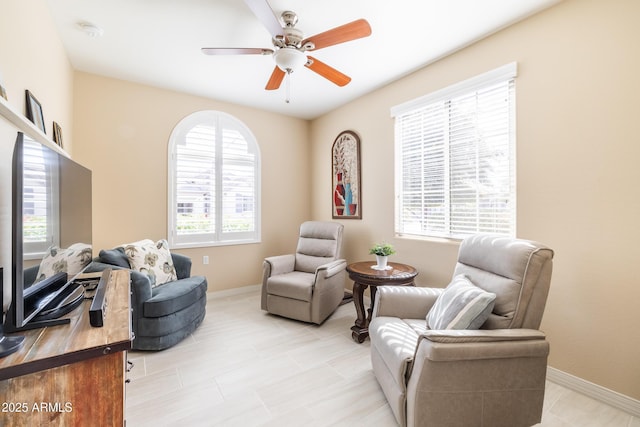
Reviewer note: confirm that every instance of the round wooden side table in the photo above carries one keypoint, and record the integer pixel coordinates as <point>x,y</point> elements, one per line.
<point>363,274</point>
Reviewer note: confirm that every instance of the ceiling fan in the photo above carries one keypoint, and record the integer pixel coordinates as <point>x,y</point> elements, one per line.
<point>290,47</point>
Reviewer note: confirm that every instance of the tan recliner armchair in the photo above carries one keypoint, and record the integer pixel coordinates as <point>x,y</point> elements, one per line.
<point>494,376</point>
<point>307,285</point>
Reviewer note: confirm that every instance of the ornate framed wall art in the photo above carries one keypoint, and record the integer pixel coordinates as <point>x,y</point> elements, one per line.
<point>346,200</point>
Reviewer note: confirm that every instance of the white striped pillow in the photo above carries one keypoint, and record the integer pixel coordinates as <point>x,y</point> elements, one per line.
<point>462,305</point>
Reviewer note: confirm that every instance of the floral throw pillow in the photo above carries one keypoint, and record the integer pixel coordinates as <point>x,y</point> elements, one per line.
<point>71,260</point>
<point>153,259</point>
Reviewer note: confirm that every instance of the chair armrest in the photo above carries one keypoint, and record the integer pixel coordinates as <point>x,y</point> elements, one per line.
<point>330,269</point>
<point>404,302</point>
<point>182,264</point>
<point>450,345</point>
<point>141,290</point>
<point>29,274</point>
<point>97,266</point>
<point>482,335</point>
<point>140,282</point>
<point>279,264</point>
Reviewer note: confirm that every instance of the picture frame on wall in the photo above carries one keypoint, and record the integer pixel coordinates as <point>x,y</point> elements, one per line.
<point>34,111</point>
<point>346,200</point>
<point>57,134</point>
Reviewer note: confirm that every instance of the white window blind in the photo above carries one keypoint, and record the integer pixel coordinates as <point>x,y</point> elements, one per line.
<point>455,159</point>
<point>214,181</point>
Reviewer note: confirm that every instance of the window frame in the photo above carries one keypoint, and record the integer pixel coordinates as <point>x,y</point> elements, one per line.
<point>218,237</point>
<point>501,75</point>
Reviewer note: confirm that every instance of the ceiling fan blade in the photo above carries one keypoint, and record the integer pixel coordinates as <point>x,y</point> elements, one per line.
<point>276,79</point>
<point>344,33</point>
<point>327,72</point>
<point>265,14</point>
<point>235,51</point>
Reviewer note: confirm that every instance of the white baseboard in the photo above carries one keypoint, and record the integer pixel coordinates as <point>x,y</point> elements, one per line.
<point>233,291</point>
<point>610,397</point>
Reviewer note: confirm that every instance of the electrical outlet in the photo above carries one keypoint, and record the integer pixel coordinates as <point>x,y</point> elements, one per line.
<point>205,259</point>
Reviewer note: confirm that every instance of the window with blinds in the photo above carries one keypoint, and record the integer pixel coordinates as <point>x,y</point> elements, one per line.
<point>40,209</point>
<point>455,159</point>
<point>214,181</point>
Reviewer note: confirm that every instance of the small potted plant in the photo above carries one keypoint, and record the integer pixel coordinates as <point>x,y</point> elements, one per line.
<point>382,252</point>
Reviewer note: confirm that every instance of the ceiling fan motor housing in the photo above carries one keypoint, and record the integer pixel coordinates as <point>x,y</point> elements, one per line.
<point>291,37</point>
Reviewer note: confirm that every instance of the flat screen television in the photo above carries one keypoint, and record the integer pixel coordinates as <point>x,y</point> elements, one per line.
<point>51,205</point>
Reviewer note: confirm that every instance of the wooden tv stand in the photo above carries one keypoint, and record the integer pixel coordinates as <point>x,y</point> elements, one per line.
<point>73,374</point>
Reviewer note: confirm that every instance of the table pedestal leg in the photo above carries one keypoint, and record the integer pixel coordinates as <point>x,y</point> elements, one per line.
<point>361,327</point>
<point>372,291</point>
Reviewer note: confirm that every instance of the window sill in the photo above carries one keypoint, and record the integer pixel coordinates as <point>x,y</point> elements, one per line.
<point>213,244</point>
<point>431,239</point>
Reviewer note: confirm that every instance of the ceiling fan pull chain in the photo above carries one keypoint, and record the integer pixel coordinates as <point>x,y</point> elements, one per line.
<point>288,88</point>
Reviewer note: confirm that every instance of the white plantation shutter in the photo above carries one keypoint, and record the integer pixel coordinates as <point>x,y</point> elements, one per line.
<point>455,159</point>
<point>40,208</point>
<point>239,184</point>
<point>195,193</point>
<point>214,181</point>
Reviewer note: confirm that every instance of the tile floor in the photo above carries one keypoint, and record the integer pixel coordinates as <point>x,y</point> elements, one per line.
<point>244,367</point>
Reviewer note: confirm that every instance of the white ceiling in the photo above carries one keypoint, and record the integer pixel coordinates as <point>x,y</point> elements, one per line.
<point>157,42</point>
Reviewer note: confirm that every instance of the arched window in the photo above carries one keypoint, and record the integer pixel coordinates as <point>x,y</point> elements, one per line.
<point>214,182</point>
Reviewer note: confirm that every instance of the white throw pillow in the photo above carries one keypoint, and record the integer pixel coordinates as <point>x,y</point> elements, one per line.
<point>153,259</point>
<point>462,305</point>
<point>71,260</point>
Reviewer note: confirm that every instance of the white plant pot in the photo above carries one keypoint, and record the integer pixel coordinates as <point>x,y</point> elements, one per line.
<point>382,262</point>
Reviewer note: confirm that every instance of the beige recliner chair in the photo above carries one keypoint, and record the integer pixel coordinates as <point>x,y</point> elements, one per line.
<point>307,285</point>
<point>494,376</point>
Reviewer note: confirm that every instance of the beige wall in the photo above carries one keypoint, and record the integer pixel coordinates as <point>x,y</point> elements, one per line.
<point>577,174</point>
<point>31,57</point>
<point>122,132</point>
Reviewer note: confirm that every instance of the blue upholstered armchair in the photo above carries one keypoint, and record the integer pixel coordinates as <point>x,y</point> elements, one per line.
<point>161,315</point>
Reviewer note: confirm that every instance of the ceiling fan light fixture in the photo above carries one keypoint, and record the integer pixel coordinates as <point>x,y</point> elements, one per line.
<point>289,59</point>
